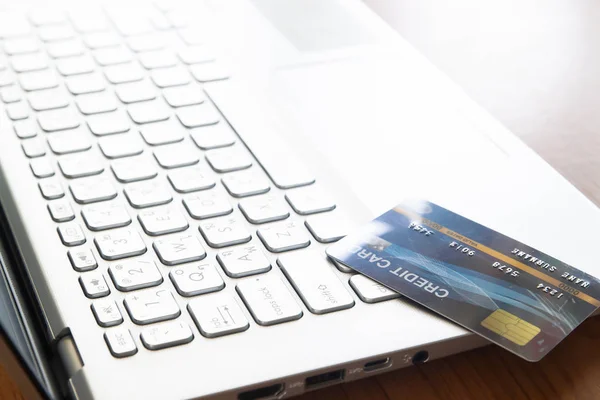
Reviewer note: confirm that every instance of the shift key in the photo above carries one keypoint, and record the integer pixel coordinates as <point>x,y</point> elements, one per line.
<point>269,300</point>
<point>313,278</point>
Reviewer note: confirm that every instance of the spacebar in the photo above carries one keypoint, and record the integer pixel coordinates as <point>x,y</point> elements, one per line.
<point>275,155</point>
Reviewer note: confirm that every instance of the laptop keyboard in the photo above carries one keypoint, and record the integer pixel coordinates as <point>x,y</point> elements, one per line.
<point>161,208</point>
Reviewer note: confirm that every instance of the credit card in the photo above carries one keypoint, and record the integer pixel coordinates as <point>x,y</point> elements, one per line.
<point>512,294</point>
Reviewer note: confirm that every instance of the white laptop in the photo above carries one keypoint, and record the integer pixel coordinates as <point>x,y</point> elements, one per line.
<point>158,161</point>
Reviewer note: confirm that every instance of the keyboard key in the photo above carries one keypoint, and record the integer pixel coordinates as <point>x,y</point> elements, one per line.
<point>109,123</point>
<point>10,94</point>
<point>119,146</point>
<point>84,84</point>
<point>71,141</point>
<point>88,20</point>
<point>315,282</point>
<point>71,234</point>
<point>13,24</point>
<point>166,335</point>
<point>106,313</point>
<point>179,249</point>
<point>75,65</point>
<point>196,55</point>
<point>96,103</point>
<point>45,16</point>
<point>120,343</point>
<point>151,305</point>
<point>94,285</point>
<point>162,220</point>
<point>370,291</point>
<point>269,300</point>
<point>228,159</point>
<point>25,129</point>
<point>28,62</point>
<point>199,115</point>
<point>209,72</point>
<point>38,80</point>
<point>162,133</point>
<point>82,259</point>
<point>147,42</point>
<point>181,96</point>
<point>262,209</point>
<point>120,243</point>
<point>244,261</point>
<point>22,45</point>
<point>157,59</point>
<point>67,48</point>
<point>284,236</point>
<point>149,111</point>
<point>224,231</point>
<point>105,215</point>
<point>309,200</point>
<point>191,179</point>
<point>47,100</point>
<point>92,189</point>
<point>101,40</point>
<point>327,227</point>
<point>58,120</point>
<point>7,79</point>
<point>245,183</point>
<point>112,56</point>
<point>61,211</point>
<point>217,315</point>
<point>41,168</point>
<point>17,111</point>
<point>192,280</point>
<point>172,76</point>
<point>192,36</point>
<point>80,165</point>
<point>33,148</point>
<point>54,33</point>
<point>136,92</point>
<point>147,194</point>
<point>133,169</point>
<point>207,204</point>
<point>135,274</point>
<point>124,73</point>
<point>213,136</point>
<point>130,22</point>
<point>175,155</point>
<point>51,188</point>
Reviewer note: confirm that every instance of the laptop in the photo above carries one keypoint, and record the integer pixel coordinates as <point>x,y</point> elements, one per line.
<point>172,173</point>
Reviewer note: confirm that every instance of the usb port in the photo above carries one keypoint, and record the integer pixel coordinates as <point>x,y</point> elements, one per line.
<point>377,364</point>
<point>328,378</point>
<point>264,393</point>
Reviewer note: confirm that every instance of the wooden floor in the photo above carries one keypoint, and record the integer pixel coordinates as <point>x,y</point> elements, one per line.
<point>535,65</point>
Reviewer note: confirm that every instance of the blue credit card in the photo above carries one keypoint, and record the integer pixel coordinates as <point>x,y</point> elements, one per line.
<point>514,295</point>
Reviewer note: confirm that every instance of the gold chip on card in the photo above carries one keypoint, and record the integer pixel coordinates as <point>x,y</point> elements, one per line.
<point>510,327</point>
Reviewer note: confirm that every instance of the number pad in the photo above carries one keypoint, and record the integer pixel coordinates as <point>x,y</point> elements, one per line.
<point>225,231</point>
<point>243,261</point>
<point>120,243</point>
<point>207,204</point>
<point>191,280</point>
<point>151,305</point>
<point>262,209</point>
<point>135,274</point>
<point>284,236</point>
<point>106,313</point>
<point>162,220</point>
<point>103,216</point>
<point>217,315</point>
<point>180,249</point>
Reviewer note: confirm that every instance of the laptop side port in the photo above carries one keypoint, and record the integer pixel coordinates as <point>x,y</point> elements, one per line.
<point>263,393</point>
<point>325,379</point>
<point>377,364</point>
<point>420,357</point>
